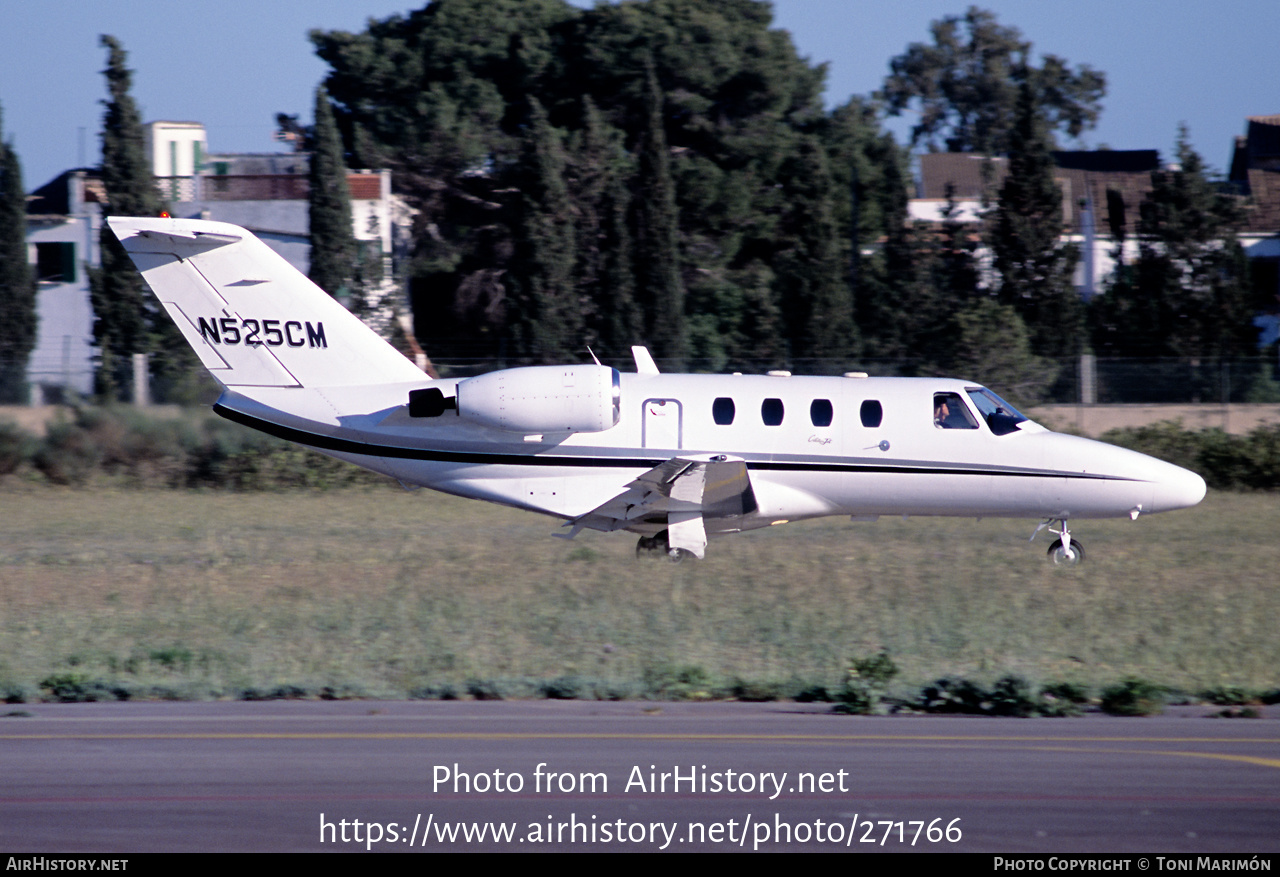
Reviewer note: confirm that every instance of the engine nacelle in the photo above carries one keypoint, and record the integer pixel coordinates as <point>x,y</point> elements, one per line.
<point>543,398</point>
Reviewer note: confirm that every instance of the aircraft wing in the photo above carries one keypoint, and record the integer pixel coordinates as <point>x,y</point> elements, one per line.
<point>684,489</point>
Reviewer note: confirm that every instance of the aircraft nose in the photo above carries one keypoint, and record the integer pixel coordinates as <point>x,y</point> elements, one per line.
<point>1177,488</point>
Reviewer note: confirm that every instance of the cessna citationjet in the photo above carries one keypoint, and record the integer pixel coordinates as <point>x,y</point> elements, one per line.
<point>675,458</point>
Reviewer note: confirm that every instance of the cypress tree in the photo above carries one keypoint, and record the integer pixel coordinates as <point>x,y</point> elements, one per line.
<point>125,314</point>
<point>547,317</point>
<point>1035,267</point>
<point>1188,293</point>
<point>816,300</point>
<point>882,310</point>
<point>660,289</point>
<point>333,244</point>
<point>599,171</point>
<point>17,286</point>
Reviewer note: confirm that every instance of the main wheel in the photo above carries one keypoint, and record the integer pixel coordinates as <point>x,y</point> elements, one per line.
<point>678,555</point>
<point>652,546</point>
<point>1060,557</point>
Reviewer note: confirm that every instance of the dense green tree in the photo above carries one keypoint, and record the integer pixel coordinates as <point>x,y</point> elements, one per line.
<point>659,286</point>
<point>621,321</point>
<point>869,203</point>
<point>127,320</point>
<point>17,286</point>
<point>439,96</point>
<point>888,298</point>
<point>1188,293</point>
<point>866,174</point>
<point>598,174</point>
<point>813,286</point>
<point>1035,267</point>
<point>990,344</point>
<point>333,243</point>
<point>546,313</point>
<point>683,122</point>
<point>966,86</point>
<point>957,269</point>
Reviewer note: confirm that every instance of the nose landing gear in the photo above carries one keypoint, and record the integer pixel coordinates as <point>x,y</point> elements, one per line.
<point>1065,551</point>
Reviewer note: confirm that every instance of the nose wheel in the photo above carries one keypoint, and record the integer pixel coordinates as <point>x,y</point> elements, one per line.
<point>1064,551</point>
<point>1070,555</point>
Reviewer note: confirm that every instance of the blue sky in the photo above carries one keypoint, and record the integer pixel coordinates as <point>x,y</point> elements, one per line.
<point>234,64</point>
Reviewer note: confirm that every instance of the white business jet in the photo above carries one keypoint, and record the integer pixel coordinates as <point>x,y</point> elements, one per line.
<point>675,458</point>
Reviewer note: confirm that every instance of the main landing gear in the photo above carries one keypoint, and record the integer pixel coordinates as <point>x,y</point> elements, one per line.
<point>1064,551</point>
<point>654,546</point>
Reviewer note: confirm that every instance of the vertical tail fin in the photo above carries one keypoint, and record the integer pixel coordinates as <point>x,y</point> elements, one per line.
<point>252,318</point>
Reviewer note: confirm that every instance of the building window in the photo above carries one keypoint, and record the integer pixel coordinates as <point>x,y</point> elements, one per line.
<point>771,412</point>
<point>56,262</point>
<point>821,412</point>
<point>722,411</point>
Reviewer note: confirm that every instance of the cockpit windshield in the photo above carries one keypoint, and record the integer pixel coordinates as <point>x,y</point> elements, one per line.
<point>1002,418</point>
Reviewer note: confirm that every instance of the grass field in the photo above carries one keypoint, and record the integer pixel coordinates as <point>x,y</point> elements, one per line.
<point>383,593</point>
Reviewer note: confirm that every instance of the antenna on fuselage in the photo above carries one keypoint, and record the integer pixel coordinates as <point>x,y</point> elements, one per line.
<point>644,361</point>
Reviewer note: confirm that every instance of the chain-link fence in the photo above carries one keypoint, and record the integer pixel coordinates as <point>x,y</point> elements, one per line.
<point>1086,380</point>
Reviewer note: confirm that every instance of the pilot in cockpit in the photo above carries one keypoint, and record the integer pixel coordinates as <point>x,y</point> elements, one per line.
<point>940,412</point>
<point>949,412</point>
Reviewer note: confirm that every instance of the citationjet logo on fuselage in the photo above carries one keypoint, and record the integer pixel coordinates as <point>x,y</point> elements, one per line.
<point>273,333</point>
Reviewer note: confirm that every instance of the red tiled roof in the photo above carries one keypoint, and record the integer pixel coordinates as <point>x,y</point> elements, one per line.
<point>365,187</point>
<point>1263,210</point>
<point>963,170</point>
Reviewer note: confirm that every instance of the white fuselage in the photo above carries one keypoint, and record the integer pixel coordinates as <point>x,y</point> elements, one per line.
<point>813,446</point>
<point>673,457</point>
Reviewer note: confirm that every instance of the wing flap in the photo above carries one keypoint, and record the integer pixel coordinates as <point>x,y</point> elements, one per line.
<point>682,488</point>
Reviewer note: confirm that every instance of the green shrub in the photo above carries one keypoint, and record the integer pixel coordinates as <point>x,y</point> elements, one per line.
<point>16,447</point>
<point>1133,697</point>
<point>73,687</point>
<point>865,684</point>
<point>1061,699</point>
<point>1010,696</point>
<point>1226,462</point>
<point>949,695</point>
<point>813,694</point>
<point>1231,695</point>
<point>677,682</point>
<point>755,691</point>
<point>191,449</point>
<point>68,455</point>
<point>563,688</point>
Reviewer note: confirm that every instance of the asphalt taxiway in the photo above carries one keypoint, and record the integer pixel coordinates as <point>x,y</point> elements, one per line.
<point>626,777</point>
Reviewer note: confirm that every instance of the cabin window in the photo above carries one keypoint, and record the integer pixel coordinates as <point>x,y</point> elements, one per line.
<point>872,413</point>
<point>771,412</point>
<point>821,412</point>
<point>722,411</point>
<point>950,412</point>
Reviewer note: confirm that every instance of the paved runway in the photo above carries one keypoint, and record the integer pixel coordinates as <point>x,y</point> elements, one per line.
<point>626,777</point>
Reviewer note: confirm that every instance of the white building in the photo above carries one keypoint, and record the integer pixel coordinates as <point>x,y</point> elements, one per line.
<point>64,217</point>
<point>265,193</point>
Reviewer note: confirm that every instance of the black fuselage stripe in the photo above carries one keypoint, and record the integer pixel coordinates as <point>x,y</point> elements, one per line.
<point>366,449</point>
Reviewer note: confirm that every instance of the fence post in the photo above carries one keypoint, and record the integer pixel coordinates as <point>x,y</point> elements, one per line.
<point>1088,379</point>
<point>141,380</point>
<point>1088,387</point>
<point>1226,395</point>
